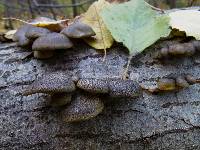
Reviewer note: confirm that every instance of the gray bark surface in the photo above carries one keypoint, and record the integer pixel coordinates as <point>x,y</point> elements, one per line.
<point>150,122</point>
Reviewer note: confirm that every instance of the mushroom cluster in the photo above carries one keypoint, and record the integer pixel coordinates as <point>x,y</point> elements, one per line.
<point>172,84</point>
<point>61,87</point>
<point>180,49</point>
<point>44,41</point>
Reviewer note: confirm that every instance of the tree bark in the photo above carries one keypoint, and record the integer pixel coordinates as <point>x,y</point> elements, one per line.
<point>163,121</point>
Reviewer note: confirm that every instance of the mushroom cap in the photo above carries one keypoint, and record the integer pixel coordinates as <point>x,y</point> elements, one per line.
<point>166,84</point>
<point>36,32</point>
<point>93,85</point>
<point>83,108</point>
<point>124,88</point>
<point>51,84</point>
<point>182,49</point>
<point>60,99</point>
<point>181,82</point>
<point>78,30</point>
<point>20,37</point>
<point>190,79</point>
<point>51,42</point>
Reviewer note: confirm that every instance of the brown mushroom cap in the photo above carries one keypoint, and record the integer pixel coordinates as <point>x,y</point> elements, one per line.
<point>181,82</point>
<point>83,108</point>
<point>51,42</point>
<point>166,84</point>
<point>78,30</point>
<point>51,84</point>
<point>20,37</point>
<point>36,32</point>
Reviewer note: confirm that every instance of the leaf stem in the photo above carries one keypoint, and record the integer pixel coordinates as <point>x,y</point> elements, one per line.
<point>125,73</point>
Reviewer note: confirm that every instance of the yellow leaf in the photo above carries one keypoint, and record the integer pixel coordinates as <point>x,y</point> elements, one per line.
<point>51,24</point>
<point>103,38</point>
<point>187,21</point>
<point>48,23</point>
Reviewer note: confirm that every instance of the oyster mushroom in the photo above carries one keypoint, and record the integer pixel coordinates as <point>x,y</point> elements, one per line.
<point>78,30</point>
<point>190,79</point>
<point>20,37</point>
<point>166,84</point>
<point>83,107</point>
<point>44,46</point>
<point>113,87</point>
<point>182,82</point>
<point>36,32</point>
<point>59,86</point>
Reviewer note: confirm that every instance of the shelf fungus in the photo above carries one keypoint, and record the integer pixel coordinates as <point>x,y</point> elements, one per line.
<point>180,49</point>
<point>44,46</point>
<point>113,87</point>
<point>171,84</point>
<point>59,86</point>
<point>78,30</point>
<point>83,107</point>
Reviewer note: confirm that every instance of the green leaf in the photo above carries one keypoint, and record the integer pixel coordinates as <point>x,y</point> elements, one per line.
<point>187,21</point>
<point>135,24</point>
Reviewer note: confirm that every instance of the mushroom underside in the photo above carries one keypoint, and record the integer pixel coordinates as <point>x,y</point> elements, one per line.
<point>83,107</point>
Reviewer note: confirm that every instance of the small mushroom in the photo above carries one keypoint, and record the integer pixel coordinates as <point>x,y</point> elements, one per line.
<point>20,37</point>
<point>181,82</point>
<point>124,88</point>
<point>166,84</point>
<point>164,52</point>
<point>36,32</point>
<point>191,79</point>
<point>53,84</point>
<point>78,30</point>
<point>93,85</point>
<point>49,43</point>
<point>83,107</point>
<point>182,49</point>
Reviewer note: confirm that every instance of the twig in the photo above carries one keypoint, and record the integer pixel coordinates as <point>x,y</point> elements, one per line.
<point>155,8</point>
<point>59,21</point>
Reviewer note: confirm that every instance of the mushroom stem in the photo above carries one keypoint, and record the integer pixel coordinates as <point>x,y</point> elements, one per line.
<point>43,54</point>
